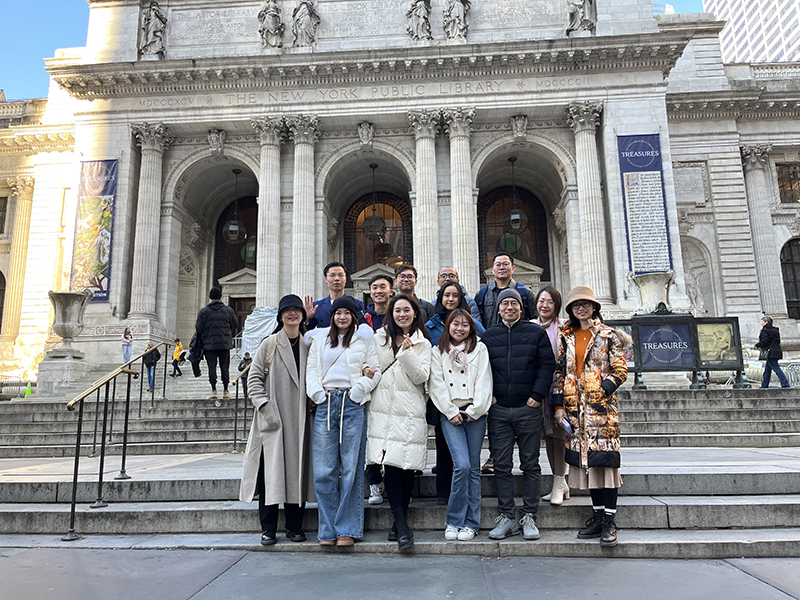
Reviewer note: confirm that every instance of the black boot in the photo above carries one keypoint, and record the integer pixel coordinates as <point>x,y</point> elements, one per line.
<point>594,526</point>
<point>405,538</point>
<point>608,537</point>
<point>392,537</point>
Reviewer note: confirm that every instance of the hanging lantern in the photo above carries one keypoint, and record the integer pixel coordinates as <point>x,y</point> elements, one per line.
<point>374,227</point>
<point>515,221</point>
<point>233,231</point>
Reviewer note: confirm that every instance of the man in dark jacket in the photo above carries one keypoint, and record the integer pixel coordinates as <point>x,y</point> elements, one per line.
<point>243,364</point>
<point>487,297</point>
<point>522,368</point>
<point>216,323</point>
<point>318,314</point>
<point>150,360</point>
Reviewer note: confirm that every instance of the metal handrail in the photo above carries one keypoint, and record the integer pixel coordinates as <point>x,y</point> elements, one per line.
<point>112,375</point>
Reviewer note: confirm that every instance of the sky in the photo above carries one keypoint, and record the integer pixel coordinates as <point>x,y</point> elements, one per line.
<point>42,26</point>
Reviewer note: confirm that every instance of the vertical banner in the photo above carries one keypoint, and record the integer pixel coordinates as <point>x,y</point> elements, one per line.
<point>645,203</point>
<point>94,228</point>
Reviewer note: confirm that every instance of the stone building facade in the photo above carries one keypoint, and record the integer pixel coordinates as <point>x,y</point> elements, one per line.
<point>441,120</point>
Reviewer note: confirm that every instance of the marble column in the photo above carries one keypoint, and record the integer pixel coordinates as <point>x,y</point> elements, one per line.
<point>304,132</point>
<point>271,131</point>
<point>584,119</point>
<point>22,189</point>
<point>768,264</point>
<point>463,211</point>
<point>153,139</point>
<point>425,215</point>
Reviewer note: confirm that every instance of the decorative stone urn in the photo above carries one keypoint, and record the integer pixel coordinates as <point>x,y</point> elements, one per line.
<point>65,364</point>
<point>653,290</point>
<point>68,320</point>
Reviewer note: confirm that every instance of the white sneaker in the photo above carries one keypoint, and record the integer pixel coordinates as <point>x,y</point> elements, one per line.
<point>375,496</point>
<point>451,533</point>
<point>467,534</point>
<point>529,529</point>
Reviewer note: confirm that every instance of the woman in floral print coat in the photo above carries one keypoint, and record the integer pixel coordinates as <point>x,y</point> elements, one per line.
<point>590,368</point>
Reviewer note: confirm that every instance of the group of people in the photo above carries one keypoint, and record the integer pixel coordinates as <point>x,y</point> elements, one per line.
<point>339,387</point>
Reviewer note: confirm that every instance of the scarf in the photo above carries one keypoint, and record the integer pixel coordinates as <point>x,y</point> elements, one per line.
<point>457,354</point>
<point>551,327</point>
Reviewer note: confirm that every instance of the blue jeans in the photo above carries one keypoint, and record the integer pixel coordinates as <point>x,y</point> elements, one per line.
<point>523,425</point>
<point>151,375</point>
<point>339,467</point>
<point>464,442</point>
<point>126,353</point>
<point>769,367</point>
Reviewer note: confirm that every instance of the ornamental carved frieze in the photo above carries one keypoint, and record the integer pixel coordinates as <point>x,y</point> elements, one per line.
<point>584,116</point>
<point>151,136</point>
<point>303,129</point>
<point>366,132</point>
<point>458,121</point>
<point>425,123</point>
<point>519,128</point>
<point>216,140</point>
<point>755,157</point>
<point>271,130</point>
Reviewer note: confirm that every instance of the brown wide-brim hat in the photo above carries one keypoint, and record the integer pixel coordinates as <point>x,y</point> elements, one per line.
<point>581,292</point>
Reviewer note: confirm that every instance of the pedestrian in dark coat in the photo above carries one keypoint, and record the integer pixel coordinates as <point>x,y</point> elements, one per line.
<point>770,340</point>
<point>150,360</point>
<point>216,324</point>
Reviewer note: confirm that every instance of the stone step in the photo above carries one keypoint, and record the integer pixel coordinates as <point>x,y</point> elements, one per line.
<point>712,393</point>
<point>721,414</point>
<point>146,424</point>
<point>660,512</point>
<point>766,401</point>
<point>134,437</point>
<point>158,448</point>
<point>728,440</point>
<point>633,543</point>
<point>707,427</point>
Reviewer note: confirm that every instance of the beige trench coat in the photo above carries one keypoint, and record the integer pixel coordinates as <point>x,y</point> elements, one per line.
<point>288,475</point>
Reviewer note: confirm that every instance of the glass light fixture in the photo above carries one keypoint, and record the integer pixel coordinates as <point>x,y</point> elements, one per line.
<point>374,227</point>
<point>233,231</point>
<point>515,221</point>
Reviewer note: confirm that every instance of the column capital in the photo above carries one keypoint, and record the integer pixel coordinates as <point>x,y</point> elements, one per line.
<point>584,116</point>
<point>21,187</point>
<point>151,136</point>
<point>425,123</point>
<point>755,157</point>
<point>303,129</point>
<point>458,121</point>
<point>271,130</point>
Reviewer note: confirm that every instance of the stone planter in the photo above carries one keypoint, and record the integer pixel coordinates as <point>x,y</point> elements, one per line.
<point>653,290</point>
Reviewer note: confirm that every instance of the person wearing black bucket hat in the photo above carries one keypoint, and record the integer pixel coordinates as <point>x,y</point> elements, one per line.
<point>277,460</point>
<point>342,372</point>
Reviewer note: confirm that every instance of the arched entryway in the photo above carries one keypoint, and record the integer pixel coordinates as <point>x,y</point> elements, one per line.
<point>394,246</point>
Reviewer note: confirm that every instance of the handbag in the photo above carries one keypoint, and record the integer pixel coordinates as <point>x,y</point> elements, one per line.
<point>763,354</point>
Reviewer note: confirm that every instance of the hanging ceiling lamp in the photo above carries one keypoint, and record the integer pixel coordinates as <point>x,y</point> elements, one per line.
<point>515,221</point>
<point>234,231</point>
<point>374,227</point>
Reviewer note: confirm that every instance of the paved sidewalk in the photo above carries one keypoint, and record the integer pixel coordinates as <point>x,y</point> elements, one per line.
<point>83,574</point>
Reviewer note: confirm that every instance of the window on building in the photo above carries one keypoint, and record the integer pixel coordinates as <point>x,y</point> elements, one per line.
<point>3,210</point>
<point>390,244</point>
<point>790,268</point>
<point>789,182</point>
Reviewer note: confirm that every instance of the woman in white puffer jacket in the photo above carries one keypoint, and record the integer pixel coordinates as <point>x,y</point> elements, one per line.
<point>397,434</point>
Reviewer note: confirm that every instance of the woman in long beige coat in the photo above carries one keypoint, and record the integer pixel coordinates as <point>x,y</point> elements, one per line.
<point>277,460</point>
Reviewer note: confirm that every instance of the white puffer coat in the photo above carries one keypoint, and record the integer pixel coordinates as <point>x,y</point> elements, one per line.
<point>397,433</point>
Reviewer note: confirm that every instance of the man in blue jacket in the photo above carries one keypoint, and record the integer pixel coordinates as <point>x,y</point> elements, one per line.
<point>522,368</point>
<point>318,314</point>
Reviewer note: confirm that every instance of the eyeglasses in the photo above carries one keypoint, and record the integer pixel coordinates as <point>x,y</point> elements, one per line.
<point>546,303</point>
<point>508,303</point>
<point>585,304</point>
<point>502,264</point>
<point>407,276</point>
<point>448,276</point>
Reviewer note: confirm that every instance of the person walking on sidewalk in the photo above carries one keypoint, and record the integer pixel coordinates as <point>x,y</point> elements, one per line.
<point>150,360</point>
<point>277,460</point>
<point>522,373</point>
<point>591,366</point>
<point>397,434</point>
<point>548,305</point>
<point>769,342</point>
<point>461,388</point>
<point>342,372</point>
<point>216,323</point>
<point>176,359</point>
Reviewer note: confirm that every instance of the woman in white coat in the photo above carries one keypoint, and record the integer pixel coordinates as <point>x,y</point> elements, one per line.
<point>340,356</point>
<point>277,460</point>
<point>397,434</point>
<point>461,388</point>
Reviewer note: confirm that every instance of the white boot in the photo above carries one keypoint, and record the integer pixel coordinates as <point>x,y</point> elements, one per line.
<point>560,490</point>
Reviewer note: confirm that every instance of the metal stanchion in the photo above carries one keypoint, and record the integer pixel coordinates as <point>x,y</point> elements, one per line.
<point>99,502</point>
<point>141,389</point>
<point>166,361</point>
<point>113,405</point>
<point>96,415</point>
<point>71,535</point>
<point>122,473</point>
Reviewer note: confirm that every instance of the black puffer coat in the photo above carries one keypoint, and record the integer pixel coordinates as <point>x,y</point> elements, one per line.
<point>770,339</point>
<point>522,362</point>
<point>216,324</point>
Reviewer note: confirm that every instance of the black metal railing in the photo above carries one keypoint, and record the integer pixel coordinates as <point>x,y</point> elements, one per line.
<point>246,403</point>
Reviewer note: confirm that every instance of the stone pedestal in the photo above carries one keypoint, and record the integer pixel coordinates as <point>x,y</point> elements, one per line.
<point>59,369</point>
<point>65,364</point>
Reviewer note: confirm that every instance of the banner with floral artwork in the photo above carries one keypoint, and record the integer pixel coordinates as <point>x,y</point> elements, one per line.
<point>94,228</point>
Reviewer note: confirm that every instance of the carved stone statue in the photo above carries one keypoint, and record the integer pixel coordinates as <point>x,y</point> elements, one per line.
<point>216,140</point>
<point>455,19</point>
<point>419,25</point>
<point>271,26</point>
<point>154,22</point>
<point>693,277</point>
<point>519,128</point>
<point>581,15</point>
<point>365,133</point>
<point>305,20</point>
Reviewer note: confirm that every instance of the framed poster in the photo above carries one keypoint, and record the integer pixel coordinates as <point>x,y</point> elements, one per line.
<point>665,343</point>
<point>720,343</point>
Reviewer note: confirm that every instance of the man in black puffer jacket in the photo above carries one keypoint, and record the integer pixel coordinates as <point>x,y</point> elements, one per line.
<point>215,326</point>
<point>522,367</point>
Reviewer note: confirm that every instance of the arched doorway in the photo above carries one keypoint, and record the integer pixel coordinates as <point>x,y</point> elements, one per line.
<point>494,235</point>
<point>393,247</point>
<point>790,269</point>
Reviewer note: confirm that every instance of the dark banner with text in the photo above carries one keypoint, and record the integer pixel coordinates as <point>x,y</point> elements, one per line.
<point>646,223</point>
<point>94,228</point>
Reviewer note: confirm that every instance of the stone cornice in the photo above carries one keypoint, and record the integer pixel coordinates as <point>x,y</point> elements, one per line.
<point>606,54</point>
<point>26,141</point>
<point>749,105</point>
